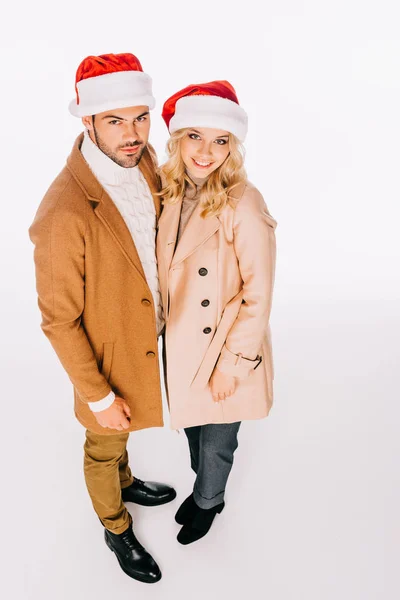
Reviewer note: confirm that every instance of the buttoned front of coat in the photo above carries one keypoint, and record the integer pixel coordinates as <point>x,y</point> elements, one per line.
<point>217,292</point>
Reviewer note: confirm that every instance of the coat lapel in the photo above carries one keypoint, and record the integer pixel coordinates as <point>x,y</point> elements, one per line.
<point>105,208</point>
<point>148,166</point>
<point>110,216</point>
<point>196,233</point>
<point>168,231</point>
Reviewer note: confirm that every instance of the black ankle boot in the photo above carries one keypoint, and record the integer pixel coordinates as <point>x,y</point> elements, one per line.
<point>133,559</point>
<point>186,511</point>
<point>199,525</point>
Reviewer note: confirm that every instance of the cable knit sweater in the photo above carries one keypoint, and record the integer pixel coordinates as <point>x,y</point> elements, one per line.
<point>130,193</point>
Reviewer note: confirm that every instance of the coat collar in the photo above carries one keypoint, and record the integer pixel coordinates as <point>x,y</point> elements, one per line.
<point>91,186</point>
<point>168,231</point>
<point>104,207</point>
<point>197,231</point>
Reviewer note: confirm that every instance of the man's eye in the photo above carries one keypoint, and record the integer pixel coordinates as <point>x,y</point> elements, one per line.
<point>114,122</point>
<point>141,119</point>
<point>194,136</point>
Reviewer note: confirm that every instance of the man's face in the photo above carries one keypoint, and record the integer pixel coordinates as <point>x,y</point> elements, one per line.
<point>122,133</point>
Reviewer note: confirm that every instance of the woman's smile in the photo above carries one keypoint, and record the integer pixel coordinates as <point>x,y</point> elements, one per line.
<point>202,164</point>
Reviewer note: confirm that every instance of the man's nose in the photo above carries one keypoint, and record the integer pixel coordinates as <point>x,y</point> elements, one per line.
<point>130,132</point>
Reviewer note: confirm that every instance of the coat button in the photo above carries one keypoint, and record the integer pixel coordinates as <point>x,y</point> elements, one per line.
<point>150,354</point>
<point>203,271</point>
<point>205,303</point>
<point>146,302</point>
<point>207,330</point>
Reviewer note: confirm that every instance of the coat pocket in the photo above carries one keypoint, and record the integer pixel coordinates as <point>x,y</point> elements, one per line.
<point>106,363</point>
<point>209,361</point>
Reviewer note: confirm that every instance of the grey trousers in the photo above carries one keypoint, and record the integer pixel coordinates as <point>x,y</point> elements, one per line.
<point>211,454</point>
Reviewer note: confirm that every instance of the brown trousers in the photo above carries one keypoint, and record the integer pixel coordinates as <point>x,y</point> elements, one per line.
<point>106,473</point>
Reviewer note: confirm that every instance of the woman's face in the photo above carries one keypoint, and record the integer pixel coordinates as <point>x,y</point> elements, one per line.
<point>203,150</point>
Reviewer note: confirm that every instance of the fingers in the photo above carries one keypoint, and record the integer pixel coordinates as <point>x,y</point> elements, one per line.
<point>230,392</point>
<point>219,396</point>
<point>221,386</point>
<point>215,397</point>
<point>124,422</point>
<point>120,424</point>
<point>126,409</point>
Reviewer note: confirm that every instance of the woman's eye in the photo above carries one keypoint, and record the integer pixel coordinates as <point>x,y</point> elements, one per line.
<point>194,136</point>
<point>221,142</point>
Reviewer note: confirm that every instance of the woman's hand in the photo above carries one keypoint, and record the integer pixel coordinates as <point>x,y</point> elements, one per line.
<point>222,386</point>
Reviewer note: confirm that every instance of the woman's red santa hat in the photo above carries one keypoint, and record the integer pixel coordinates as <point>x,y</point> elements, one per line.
<point>110,81</point>
<point>214,105</point>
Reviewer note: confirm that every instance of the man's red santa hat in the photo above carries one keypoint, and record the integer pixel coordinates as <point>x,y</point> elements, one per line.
<point>110,81</point>
<point>214,105</point>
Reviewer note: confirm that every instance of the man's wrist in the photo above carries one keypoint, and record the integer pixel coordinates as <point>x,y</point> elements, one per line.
<point>102,404</point>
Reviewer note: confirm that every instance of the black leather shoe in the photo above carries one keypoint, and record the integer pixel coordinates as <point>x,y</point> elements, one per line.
<point>199,526</point>
<point>133,559</point>
<point>186,511</point>
<point>148,493</point>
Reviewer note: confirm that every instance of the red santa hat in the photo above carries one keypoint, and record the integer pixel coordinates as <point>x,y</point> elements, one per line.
<point>110,81</point>
<point>214,104</point>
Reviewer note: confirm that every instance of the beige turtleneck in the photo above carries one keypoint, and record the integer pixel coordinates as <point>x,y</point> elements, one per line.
<point>189,202</point>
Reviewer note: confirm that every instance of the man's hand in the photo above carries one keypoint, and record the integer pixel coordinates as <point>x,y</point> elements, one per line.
<point>117,416</point>
<point>221,385</point>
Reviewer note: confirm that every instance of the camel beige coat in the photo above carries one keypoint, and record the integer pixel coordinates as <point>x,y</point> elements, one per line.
<point>228,261</point>
<point>97,309</point>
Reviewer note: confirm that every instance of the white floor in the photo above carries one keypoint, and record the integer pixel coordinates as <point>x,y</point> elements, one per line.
<point>312,504</point>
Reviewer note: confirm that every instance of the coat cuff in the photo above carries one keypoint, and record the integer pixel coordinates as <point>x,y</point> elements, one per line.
<point>236,364</point>
<point>102,404</point>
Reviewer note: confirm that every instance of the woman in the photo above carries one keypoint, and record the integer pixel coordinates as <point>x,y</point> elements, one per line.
<point>216,260</point>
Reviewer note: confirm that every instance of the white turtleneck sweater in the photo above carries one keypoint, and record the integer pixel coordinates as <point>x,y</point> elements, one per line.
<point>129,191</point>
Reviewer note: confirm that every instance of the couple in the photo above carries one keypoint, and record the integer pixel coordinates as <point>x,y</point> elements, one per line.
<point>126,252</point>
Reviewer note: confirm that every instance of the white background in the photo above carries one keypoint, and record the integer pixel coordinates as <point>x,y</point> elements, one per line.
<point>313,501</point>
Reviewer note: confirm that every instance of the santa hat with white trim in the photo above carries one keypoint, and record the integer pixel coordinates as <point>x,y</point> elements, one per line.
<point>110,81</point>
<point>214,104</point>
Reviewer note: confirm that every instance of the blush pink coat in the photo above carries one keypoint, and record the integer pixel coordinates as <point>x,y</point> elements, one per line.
<point>228,261</point>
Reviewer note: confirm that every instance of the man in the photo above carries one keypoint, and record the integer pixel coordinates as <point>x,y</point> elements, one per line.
<point>97,283</point>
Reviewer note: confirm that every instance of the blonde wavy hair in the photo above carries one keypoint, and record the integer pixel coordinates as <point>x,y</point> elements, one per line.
<point>216,192</point>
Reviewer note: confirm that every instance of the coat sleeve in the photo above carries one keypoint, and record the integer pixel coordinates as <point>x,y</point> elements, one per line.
<point>254,244</point>
<point>58,233</point>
